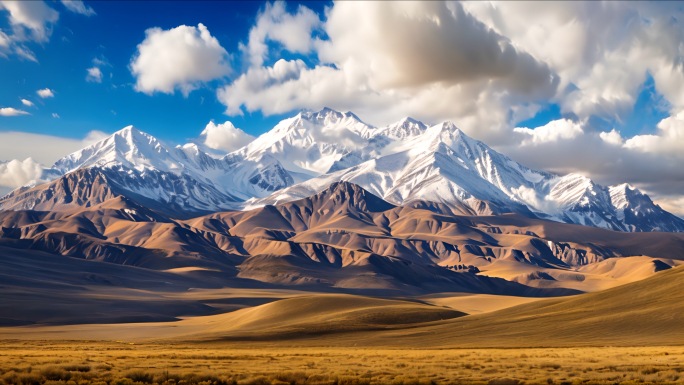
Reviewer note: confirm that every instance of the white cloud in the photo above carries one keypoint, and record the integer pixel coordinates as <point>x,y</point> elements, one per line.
<point>94,75</point>
<point>274,23</point>
<point>16,173</point>
<point>77,6</point>
<point>614,46</point>
<point>224,136</point>
<point>11,111</point>
<point>45,93</point>
<point>55,115</point>
<point>31,20</point>
<point>27,102</point>
<point>45,149</point>
<point>668,140</point>
<point>182,57</point>
<point>552,132</point>
<point>612,137</point>
<point>437,63</point>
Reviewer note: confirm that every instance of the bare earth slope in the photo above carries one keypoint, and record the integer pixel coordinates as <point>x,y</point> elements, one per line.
<point>647,312</point>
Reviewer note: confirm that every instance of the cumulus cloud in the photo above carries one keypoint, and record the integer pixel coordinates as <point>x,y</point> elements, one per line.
<point>554,131</point>
<point>45,93</point>
<point>11,111</point>
<point>224,136</point>
<point>16,173</point>
<point>45,149</point>
<point>77,6</point>
<point>614,46</point>
<point>437,63</point>
<point>31,20</point>
<point>180,58</point>
<point>27,102</point>
<point>275,24</point>
<point>94,75</point>
<point>668,140</point>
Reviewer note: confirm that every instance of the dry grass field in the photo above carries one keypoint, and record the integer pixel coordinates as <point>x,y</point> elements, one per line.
<point>27,363</point>
<point>124,363</point>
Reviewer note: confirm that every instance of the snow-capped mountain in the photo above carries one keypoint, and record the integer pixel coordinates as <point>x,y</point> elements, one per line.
<point>309,143</point>
<point>637,211</point>
<point>443,165</point>
<point>181,180</point>
<point>437,167</point>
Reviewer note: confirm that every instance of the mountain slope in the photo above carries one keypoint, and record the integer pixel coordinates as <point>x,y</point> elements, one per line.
<point>644,313</point>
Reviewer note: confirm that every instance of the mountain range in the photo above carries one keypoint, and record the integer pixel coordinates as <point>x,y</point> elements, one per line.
<point>409,163</point>
<point>322,203</point>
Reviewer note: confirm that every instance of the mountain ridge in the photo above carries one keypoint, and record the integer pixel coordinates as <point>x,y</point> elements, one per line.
<point>405,163</point>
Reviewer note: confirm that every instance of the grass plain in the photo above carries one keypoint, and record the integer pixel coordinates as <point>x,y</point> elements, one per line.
<point>125,363</point>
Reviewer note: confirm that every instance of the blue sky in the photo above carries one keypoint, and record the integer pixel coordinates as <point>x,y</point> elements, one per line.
<point>588,87</point>
<point>112,35</point>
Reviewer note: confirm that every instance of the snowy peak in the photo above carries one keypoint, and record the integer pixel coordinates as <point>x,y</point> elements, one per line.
<point>624,195</point>
<point>637,212</point>
<point>330,117</point>
<point>403,129</point>
<point>576,190</point>
<point>311,142</point>
<point>128,147</point>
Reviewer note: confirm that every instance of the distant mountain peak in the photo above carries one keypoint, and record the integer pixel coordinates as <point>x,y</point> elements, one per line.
<point>329,116</point>
<point>127,147</point>
<point>403,129</point>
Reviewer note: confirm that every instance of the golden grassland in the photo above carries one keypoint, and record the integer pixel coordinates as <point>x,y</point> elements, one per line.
<point>124,363</point>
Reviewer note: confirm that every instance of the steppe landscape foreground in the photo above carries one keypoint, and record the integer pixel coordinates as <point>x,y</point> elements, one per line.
<point>629,334</point>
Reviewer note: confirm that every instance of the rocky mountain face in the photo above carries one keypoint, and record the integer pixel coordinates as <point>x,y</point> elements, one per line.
<point>406,163</point>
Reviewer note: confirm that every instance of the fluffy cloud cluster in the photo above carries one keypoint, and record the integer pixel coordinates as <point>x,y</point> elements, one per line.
<point>225,137</point>
<point>437,63</point>
<point>179,58</point>
<point>275,24</point>
<point>602,51</point>
<point>17,173</point>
